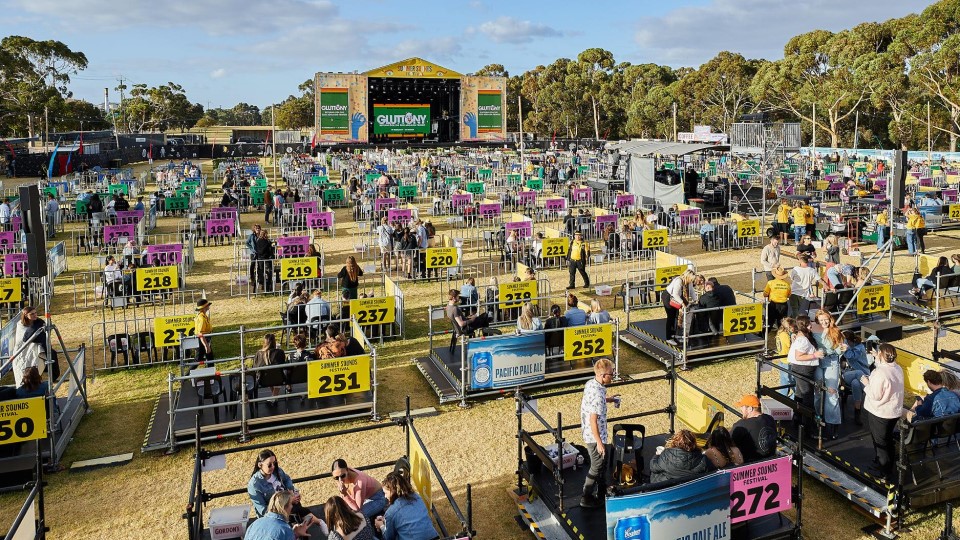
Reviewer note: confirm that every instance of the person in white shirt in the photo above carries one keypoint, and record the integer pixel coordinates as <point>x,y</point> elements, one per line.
<point>5,213</point>
<point>318,310</point>
<point>113,277</point>
<point>883,400</point>
<point>804,359</point>
<point>770,256</point>
<point>802,279</point>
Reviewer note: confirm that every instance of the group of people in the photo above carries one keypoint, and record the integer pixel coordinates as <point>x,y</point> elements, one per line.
<point>701,300</point>
<point>361,509</point>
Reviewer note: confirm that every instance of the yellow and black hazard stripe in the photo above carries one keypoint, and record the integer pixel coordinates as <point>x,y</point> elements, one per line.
<point>573,527</point>
<point>882,481</point>
<point>534,528</point>
<point>153,417</point>
<point>875,511</point>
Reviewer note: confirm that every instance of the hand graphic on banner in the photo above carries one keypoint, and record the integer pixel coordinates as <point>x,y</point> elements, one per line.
<point>356,123</point>
<point>470,120</point>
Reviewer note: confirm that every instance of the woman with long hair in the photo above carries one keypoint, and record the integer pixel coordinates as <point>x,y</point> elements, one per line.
<point>269,355</point>
<point>675,297</point>
<point>527,322</point>
<point>857,365</point>
<point>931,282</point>
<point>832,344</point>
<point>268,480</point>
<point>346,523</point>
<point>350,277</point>
<point>721,451</point>
<point>783,339</point>
<point>407,517</point>
<point>804,359</point>
<point>28,343</point>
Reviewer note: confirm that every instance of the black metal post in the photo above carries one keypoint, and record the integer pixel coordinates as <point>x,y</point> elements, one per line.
<point>406,428</point>
<point>798,496</point>
<point>470,531</point>
<point>558,468</point>
<point>518,398</point>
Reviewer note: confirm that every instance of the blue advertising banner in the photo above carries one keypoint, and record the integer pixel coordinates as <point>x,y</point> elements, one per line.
<point>506,361</point>
<point>697,510</point>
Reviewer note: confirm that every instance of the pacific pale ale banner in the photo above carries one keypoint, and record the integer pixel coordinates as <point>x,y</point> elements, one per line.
<point>334,111</point>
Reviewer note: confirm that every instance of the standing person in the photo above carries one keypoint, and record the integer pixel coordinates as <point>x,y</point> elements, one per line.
<point>675,297</point>
<point>832,247</point>
<point>832,344</point>
<point>29,335</point>
<point>770,256</point>
<point>252,252</point>
<point>804,358</point>
<point>593,422</point>
<point>349,277</point>
<point>5,214</point>
<point>777,292</point>
<point>407,517</point>
<point>423,242</point>
<point>385,240</point>
<point>53,211</point>
<point>799,216</point>
<point>577,257</point>
<point>914,220</point>
<point>882,219</point>
<point>783,221</point>
<point>755,434</point>
<point>267,205</point>
<point>810,218</point>
<point>263,251</point>
<point>802,279</point>
<point>883,401</point>
<point>202,328</point>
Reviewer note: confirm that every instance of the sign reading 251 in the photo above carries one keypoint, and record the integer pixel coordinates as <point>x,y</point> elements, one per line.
<point>338,376</point>
<point>589,341</point>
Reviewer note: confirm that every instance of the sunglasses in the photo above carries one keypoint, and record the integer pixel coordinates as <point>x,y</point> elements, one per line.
<point>341,477</point>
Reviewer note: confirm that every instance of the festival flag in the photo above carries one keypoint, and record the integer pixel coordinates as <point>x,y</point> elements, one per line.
<point>53,156</point>
<point>66,168</point>
<point>13,151</point>
<point>80,150</point>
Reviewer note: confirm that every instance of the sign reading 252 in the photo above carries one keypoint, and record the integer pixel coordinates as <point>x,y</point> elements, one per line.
<point>589,341</point>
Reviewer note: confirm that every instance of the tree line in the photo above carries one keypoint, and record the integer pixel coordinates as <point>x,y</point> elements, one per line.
<point>892,80</point>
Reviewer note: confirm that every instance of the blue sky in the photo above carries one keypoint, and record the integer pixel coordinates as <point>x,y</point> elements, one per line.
<point>226,51</point>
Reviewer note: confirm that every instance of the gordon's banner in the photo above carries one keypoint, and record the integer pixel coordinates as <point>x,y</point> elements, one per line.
<point>411,119</point>
<point>334,111</point>
<point>489,111</point>
<point>699,509</point>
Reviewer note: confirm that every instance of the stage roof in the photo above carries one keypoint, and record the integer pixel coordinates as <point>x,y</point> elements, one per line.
<point>662,148</point>
<point>414,68</point>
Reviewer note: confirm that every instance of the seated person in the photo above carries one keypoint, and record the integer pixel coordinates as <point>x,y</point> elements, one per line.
<point>930,282</point>
<point>724,292</point>
<point>707,317</point>
<point>31,385</point>
<point>266,480</point>
<point>598,315</point>
<point>354,347</point>
<point>345,523</point>
<point>359,490</point>
<point>721,451</point>
<point>275,521</point>
<point>469,324</point>
<point>940,402</point>
<point>755,434</point>
<point>334,344</point>
<point>680,458</point>
<point>469,294</point>
<point>555,320</point>
<point>408,517</point>
<point>574,315</point>
<point>527,322</point>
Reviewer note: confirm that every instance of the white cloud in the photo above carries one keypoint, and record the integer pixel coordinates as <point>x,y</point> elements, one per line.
<point>217,73</point>
<point>689,36</point>
<point>509,30</point>
<point>444,48</point>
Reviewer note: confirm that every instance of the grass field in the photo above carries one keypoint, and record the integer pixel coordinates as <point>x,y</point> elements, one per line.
<point>477,445</point>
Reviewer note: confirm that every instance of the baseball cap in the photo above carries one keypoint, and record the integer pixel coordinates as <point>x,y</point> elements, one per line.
<point>748,400</point>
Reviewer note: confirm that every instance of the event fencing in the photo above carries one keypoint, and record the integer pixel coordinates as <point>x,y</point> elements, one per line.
<point>240,386</point>
<point>416,464</point>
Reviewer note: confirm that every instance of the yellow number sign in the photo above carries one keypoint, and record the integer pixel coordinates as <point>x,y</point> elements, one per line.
<point>515,293</point>
<point>742,319</point>
<point>370,311</point>
<point>158,278</point>
<point>22,420</point>
<point>954,212</point>
<point>444,257</point>
<point>873,299</point>
<point>554,247</point>
<point>167,331</point>
<point>665,275</point>
<point>748,228</point>
<point>338,376</point>
<point>589,341</point>
<point>298,268</point>
<point>656,238</point>
<point>11,290</point>
<point>694,408</point>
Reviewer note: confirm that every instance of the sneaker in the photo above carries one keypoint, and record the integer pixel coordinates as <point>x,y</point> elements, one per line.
<point>673,342</point>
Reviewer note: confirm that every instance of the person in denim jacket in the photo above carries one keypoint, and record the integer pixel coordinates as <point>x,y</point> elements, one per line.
<point>268,478</point>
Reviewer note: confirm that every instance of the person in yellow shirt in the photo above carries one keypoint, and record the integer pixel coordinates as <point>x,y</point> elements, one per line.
<point>811,219</point>
<point>577,257</point>
<point>783,221</point>
<point>799,221</point>
<point>914,223</point>
<point>883,227</point>
<point>777,292</point>
<point>202,327</point>
<point>788,328</point>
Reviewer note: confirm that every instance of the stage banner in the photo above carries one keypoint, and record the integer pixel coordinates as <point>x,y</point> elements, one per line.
<point>334,111</point>
<point>506,361</point>
<point>332,123</point>
<point>412,119</point>
<point>489,111</point>
<point>698,509</point>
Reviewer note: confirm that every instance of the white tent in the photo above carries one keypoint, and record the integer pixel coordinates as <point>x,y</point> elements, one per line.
<point>642,159</point>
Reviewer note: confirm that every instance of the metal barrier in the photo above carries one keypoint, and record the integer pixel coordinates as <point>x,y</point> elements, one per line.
<point>269,276</point>
<point>91,289</point>
<point>130,335</point>
<point>416,463</point>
